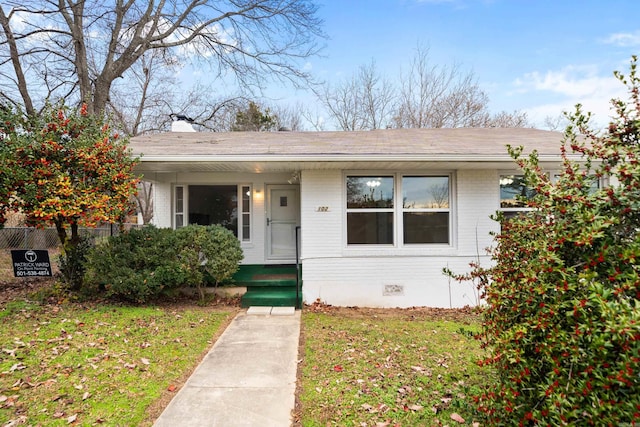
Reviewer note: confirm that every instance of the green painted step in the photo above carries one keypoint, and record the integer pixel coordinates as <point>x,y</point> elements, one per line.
<point>269,298</point>
<point>248,273</point>
<point>283,282</point>
<point>268,285</point>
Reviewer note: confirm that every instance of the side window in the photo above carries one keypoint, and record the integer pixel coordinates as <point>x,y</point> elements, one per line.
<point>246,213</point>
<point>178,213</point>
<point>513,195</point>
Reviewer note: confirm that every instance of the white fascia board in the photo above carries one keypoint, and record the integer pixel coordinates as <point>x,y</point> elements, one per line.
<point>344,158</point>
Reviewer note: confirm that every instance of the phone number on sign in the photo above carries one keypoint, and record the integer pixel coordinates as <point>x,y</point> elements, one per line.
<point>32,273</point>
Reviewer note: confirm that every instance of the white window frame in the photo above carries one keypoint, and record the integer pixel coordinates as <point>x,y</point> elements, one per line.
<point>554,176</point>
<point>514,210</point>
<point>242,189</point>
<point>448,210</point>
<point>398,209</point>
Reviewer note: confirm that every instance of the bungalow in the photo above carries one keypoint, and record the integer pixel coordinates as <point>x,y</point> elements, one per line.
<point>372,217</point>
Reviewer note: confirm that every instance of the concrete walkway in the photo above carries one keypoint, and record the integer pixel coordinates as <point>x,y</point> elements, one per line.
<point>248,378</point>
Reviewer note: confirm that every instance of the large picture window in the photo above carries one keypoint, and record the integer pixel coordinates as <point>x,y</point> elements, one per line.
<point>225,205</point>
<point>408,208</point>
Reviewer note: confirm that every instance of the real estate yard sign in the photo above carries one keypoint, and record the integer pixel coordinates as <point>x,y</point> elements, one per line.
<point>31,263</point>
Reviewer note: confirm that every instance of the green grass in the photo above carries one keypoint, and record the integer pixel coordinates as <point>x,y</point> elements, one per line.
<point>98,364</point>
<point>395,368</point>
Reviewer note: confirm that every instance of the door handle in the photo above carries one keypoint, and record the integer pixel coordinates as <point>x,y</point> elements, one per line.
<point>268,221</point>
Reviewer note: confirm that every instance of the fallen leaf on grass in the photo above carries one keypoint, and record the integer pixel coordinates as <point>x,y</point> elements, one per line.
<point>86,395</point>
<point>457,418</point>
<point>20,420</point>
<point>367,407</point>
<point>145,361</point>
<point>171,388</point>
<point>72,418</point>
<point>415,407</point>
<point>17,367</point>
<point>338,368</point>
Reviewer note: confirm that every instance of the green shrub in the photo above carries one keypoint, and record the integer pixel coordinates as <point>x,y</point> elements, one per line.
<point>145,263</point>
<point>209,254</point>
<point>562,314</point>
<point>137,265</point>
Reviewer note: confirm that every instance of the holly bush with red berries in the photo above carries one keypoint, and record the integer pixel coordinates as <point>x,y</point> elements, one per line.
<point>561,322</point>
<point>64,168</point>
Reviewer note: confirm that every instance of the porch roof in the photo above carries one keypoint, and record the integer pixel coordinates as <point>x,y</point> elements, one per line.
<point>388,148</point>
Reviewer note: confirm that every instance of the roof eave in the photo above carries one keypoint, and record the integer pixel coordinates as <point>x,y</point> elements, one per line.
<point>347,158</point>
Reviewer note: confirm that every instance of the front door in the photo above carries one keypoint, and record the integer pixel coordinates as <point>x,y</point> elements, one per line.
<point>283,216</point>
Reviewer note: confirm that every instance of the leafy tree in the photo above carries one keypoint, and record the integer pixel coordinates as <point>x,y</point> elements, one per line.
<point>562,315</point>
<point>253,119</point>
<point>65,168</point>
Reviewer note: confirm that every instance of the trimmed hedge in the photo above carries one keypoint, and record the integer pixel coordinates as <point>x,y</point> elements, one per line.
<point>146,263</point>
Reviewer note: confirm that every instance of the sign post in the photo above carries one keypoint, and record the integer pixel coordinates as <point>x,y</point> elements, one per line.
<point>31,263</point>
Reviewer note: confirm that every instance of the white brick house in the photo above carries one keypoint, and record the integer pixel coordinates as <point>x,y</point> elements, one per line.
<point>380,213</point>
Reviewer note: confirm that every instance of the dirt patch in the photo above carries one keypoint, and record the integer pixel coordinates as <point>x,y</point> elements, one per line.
<point>20,289</point>
<point>464,314</point>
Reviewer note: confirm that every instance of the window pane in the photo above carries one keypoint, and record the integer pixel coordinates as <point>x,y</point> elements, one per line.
<point>179,221</point>
<point>246,198</point>
<point>512,186</point>
<point>246,228</point>
<point>425,192</point>
<point>369,192</point>
<point>179,199</point>
<point>214,204</point>
<point>426,227</point>
<point>370,228</point>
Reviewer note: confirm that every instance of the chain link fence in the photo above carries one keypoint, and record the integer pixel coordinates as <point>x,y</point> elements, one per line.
<point>47,238</point>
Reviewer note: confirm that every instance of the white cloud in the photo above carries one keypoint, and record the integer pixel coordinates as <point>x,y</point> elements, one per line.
<point>560,90</point>
<point>623,39</point>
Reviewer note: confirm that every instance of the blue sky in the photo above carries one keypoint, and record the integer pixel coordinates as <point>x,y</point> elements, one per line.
<point>536,56</point>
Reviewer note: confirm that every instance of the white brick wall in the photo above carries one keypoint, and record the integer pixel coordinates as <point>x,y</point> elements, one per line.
<point>392,276</point>
<point>363,276</point>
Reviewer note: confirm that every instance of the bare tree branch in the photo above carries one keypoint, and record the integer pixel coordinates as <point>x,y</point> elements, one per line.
<point>97,41</point>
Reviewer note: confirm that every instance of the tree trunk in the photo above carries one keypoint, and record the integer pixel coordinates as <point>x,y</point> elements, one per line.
<point>15,59</point>
<point>62,233</point>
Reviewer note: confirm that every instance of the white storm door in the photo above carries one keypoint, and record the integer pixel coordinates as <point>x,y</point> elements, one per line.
<point>283,216</point>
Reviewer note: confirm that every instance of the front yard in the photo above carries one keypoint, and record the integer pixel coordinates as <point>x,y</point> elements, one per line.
<point>69,363</point>
<point>385,367</point>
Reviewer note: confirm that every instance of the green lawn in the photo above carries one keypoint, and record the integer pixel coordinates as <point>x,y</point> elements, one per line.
<point>388,368</point>
<point>98,364</point>
<point>103,364</point>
